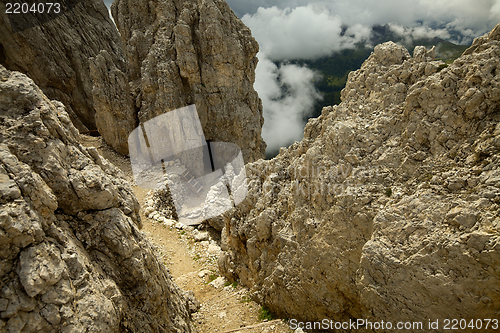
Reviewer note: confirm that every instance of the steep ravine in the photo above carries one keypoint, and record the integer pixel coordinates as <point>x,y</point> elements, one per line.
<point>191,258</point>
<point>73,258</point>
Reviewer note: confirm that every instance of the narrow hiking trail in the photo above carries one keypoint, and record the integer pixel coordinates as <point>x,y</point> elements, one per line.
<point>224,307</point>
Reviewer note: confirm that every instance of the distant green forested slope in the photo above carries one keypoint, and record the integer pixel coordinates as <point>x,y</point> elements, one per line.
<point>335,69</point>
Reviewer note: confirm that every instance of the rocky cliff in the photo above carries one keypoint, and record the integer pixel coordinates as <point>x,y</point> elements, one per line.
<point>174,53</point>
<point>55,54</point>
<point>72,257</point>
<point>388,209</point>
<point>182,52</point>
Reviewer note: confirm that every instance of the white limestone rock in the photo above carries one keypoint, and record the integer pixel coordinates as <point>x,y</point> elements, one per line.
<point>183,52</point>
<point>387,209</point>
<point>71,256</point>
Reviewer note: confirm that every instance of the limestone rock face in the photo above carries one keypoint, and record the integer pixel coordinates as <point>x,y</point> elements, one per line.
<point>116,116</point>
<point>56,55</point>
<point>182,52</point>
<point>72,258</point>
<point>388,208</point>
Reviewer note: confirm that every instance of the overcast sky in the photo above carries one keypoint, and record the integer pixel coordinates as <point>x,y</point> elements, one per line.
<point>307,29</point>
<point>477,15</point>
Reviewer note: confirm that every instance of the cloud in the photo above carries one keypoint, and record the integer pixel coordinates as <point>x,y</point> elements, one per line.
<point>410,34</point>
<point>495,11</point>
<point>470,17</point>
<point>242,7</point>
<point>301,33</point>
<point>288,95</point>
<point>287,91</point>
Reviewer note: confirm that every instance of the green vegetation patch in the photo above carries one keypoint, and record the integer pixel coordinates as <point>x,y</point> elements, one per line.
<point>245,299</point>
<point>264,314</point>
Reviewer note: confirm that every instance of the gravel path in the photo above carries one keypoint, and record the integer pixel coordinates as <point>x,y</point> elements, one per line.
<point>193,264</point>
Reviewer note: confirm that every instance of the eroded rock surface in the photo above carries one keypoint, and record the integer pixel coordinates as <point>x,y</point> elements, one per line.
<point>388,208</point>
<point>72,258</point>
<point>56,55</point>
<point>182,52</point>
<point>115,114</point>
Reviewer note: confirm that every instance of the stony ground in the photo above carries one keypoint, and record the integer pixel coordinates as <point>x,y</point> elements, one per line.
<point>224,307</point>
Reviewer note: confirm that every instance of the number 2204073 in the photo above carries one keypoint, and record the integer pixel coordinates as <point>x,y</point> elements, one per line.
<point>36,8</point>
<point>456,324</point>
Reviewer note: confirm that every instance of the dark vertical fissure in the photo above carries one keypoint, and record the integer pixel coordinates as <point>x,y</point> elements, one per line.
<point>210,155</point>
<point>3,58</point>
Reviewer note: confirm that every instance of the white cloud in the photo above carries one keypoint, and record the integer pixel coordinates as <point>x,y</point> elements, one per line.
<point>314,30</point>
<point>465,16</point>
<point>301,33</point>
<point>471,17</point>
<point>288,95</point>
<point>409,34</point>
<point>495,11</point>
